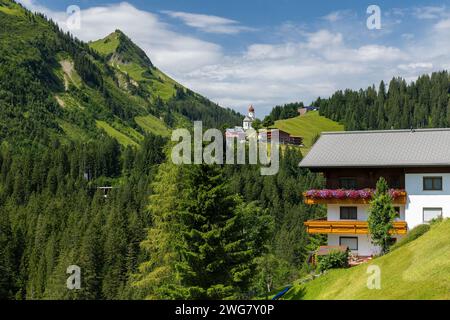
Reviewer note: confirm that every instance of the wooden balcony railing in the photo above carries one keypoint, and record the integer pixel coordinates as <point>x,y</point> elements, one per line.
<point>349,227</point>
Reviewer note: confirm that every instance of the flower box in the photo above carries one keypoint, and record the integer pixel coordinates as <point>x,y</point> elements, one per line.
<point>363,196</point>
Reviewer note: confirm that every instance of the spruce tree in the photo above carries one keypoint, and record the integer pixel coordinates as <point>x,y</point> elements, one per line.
<point>381,216</point>
<point>205,239</point>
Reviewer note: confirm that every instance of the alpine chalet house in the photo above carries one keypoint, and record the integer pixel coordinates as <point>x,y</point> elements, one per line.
<point>415,163</point>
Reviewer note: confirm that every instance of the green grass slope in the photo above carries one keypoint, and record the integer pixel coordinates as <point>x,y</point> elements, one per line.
<point>308,126</point>
<point>418,270</point>
<point>152,124</point>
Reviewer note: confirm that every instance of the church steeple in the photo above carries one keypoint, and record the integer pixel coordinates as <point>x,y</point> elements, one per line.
<point>248,121</point>
<point>251,112</point>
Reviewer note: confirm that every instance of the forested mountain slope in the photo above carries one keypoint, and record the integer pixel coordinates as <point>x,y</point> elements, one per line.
<point>424,103</point>
<point>54,85</point>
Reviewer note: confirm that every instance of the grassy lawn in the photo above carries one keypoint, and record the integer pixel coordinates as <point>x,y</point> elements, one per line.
<point>308,126</point>
<point>418,270</point>
<point>121,138</point>
<point>153,125</point>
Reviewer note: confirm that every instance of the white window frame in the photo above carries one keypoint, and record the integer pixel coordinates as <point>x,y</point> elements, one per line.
<point>357,242</point>
<point>431,209</point>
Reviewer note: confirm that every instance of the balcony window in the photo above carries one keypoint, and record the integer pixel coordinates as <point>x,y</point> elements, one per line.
<point>431,213</point>
<point>350,242</point>
<point>432,183</point>
<point>349,213</point>
<point>397,212</point>
<point>347,183</point>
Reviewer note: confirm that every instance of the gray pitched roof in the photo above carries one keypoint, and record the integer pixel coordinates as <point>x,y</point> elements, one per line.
<point>390,148</point>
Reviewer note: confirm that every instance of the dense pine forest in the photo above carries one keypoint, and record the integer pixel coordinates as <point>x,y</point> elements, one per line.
<point>424,103</point>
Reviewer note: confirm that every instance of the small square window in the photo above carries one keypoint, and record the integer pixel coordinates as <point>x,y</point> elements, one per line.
<point>350,242</point>
<point>432,183</point>
<point>349,213</point>
<point>431,213</point>
<point>397,212</point>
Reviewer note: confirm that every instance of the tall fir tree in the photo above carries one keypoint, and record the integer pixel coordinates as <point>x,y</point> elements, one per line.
<point>381,216</point>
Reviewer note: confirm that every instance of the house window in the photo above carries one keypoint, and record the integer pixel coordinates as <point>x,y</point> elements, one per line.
<point>349,213</point>
<point>397,212</point>
<point>432,183</point>
<point>347,183</point>
<point>350,242</point>
<point>431,213</point>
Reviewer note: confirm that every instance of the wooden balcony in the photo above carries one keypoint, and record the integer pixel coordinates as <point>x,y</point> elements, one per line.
<point>349,227</point>
<point>399,200</point>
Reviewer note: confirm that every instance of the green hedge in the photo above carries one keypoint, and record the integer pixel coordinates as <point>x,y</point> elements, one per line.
<point>334,260</point>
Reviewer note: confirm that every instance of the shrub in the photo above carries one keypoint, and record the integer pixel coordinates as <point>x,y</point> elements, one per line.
<point>415,233</point>
<point>333,260</point>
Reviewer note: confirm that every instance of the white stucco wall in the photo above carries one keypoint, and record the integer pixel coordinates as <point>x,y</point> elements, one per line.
<point>418,199</point>
<point>334,211</point>
<point>365,246</point>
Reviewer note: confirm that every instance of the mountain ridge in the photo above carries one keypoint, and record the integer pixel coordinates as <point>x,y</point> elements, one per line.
<point>76,87</point>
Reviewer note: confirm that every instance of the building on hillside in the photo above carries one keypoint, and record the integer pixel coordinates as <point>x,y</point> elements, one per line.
<point>284,137</point>
<point>236,132</point>
<point>305,110</point>
<point>243,133</point>
<point>415,163</point>
<point>240,133</point>
<point>249,119</point>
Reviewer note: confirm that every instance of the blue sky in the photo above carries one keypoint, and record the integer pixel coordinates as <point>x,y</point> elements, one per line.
<point>268,53</point>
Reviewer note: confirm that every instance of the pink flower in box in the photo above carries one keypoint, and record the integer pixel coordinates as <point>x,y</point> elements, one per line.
<point>366,193</point>
<point>311,193</point>
<point>325,194</point>
<point>339,194</point>
<point>395,193</point>
<point>353,194</point>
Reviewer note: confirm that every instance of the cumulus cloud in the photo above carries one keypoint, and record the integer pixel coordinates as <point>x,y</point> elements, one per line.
<point>208,23</point>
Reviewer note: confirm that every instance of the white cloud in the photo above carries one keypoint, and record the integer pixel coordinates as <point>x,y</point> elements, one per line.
<point>443,25</point>
<point>375,53</point>
<point>323,38</point>
<point>208,23</point>
<point>338,15</point>
<point>429,12</point>
<point>423,66</point>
